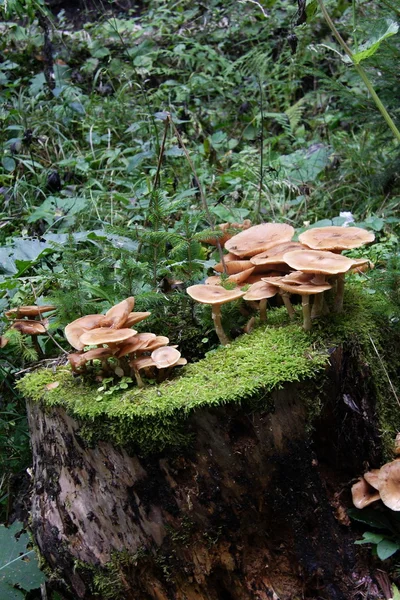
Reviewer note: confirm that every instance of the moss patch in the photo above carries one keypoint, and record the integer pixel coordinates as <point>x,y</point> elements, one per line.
<point>269,357</point>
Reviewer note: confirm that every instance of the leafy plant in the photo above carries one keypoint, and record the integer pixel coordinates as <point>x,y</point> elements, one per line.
<point>19,570</point>
<point>385,543</point>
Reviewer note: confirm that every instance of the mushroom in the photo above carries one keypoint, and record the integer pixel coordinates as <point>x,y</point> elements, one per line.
<point>389,484</point>
<point>260,292</point>
<point>29,311</point>
<point>165,357</point>
<point>135,317</point>
<point>336,239</point>
<point>304,290</point>
<point>215,295</point>
<point>259,238</point>
<point>138,364</point>
<point>117,315</point>
<point>79,360</point>
<point>135,343</point>
<point>321,263</point>
<point>104,335</point>
<point>363,493</point>
<point>273,258</point>
<point>74,330</point>
<point>233,267</point>
<point>32,328</point>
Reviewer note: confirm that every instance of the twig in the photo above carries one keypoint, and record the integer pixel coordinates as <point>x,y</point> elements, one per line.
<point>384,370</point>
<point>161,154</point>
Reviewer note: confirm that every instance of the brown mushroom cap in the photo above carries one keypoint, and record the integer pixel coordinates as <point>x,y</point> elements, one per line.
<point>260,291</point>
<point>30,327</point>
<point>275,254</point>
<point>74,330</point>
<point>117,315</point>
<point>363,494</point>
<point>213,294</point>
<point>142,363</point>
<point>78,360</point>
<point>28,311</point>
<point>259,238</point>
<point>389,484</point>
<point>135,317</point>
<point>305,289</point>
<point>336,238</point>
<point>372,477</point>
<point>233,266</point>
<point>157,342</point>
<point>298,278</point>
<point>165,357</point>
<point>104,335</point>
<point>139,341</point>
<point>315,261</point>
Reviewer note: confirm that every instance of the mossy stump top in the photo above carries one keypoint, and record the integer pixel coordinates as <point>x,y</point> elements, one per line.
<point>249,369</point>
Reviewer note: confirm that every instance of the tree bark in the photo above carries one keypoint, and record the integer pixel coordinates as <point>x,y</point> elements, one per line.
<point>251,510</point>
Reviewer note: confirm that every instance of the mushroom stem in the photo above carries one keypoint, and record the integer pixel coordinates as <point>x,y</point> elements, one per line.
<point>339,292</point>
<point>288,304</point>
<point>263,310</point>
<point>305,301</point>
<point>317,305</point>
<point>216,316</point>
<point>139,380</point>
<point>36,345</point>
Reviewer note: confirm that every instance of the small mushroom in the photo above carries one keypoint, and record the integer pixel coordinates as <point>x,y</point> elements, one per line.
<point>117,315</point>
<point>363,493</point>
<point>135,317</point>
<point>305,291</point>
<point>138,364</point>
<point>165,357</point>
<point>215,295</point>
<point>105,335</point>
<point>389,484</point>
<point>321,264</point>
<point>28,311</point>
<point>261,292</point>
<point>75,329</point>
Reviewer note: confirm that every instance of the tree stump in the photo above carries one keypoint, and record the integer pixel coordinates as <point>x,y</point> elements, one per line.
<point>251,507</point>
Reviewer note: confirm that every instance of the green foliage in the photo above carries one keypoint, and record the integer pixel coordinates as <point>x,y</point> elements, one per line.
<point>384,544</point>
<point>19,571</point>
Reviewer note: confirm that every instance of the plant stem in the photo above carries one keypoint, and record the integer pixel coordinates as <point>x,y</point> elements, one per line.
<point>160,156</point>
<point>362,73</point>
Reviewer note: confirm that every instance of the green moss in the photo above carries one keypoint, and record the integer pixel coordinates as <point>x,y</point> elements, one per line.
<point>251,367</point>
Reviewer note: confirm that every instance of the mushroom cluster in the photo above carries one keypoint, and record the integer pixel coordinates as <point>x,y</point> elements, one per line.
<point>379,484</point>
<point>29,320</point>
<point>113,336</point>
<point>265,257</point>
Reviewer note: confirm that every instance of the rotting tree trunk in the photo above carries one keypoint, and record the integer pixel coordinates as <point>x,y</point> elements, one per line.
<point>248,512</point>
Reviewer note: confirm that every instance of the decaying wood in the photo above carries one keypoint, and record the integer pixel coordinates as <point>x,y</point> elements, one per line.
<point>250,511</point>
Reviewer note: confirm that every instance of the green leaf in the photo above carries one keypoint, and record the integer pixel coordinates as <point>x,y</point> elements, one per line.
<point>370,538</point>
<point>8,163</point>
<point>395,592</point>
<point>386,548</point>
<point>371,517</point>
<point>18,564</point>
<point>383,29</point>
